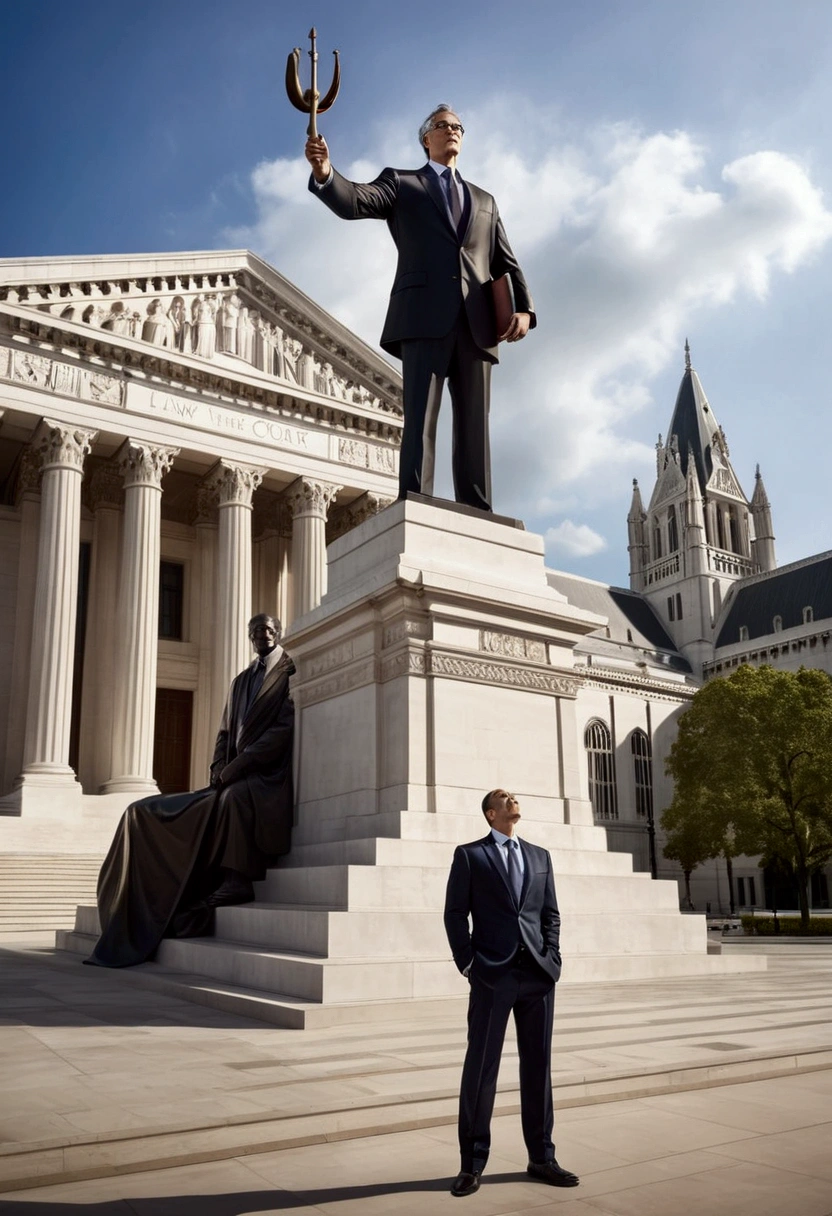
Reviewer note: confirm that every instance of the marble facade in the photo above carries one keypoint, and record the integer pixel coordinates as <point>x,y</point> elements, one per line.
<point>194,409</point>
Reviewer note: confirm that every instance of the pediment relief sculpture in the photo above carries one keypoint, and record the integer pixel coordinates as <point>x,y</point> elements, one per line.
<point>218,323</point>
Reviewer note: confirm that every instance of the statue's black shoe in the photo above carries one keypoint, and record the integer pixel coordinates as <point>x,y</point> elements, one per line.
<point>233,891</point>
<point>551,1172</point>
<point>465,1184</point>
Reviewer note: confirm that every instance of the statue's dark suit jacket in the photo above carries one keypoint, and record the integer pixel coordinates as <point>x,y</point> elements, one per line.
<point>169,850</point>
<point>478,888</point>
<point>437,268</point>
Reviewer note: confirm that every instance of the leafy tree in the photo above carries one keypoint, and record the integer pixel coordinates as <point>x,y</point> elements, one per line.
<point>752,763</point>
<point>688,841</point>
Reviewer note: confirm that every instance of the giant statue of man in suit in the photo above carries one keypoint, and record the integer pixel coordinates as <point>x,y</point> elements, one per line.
<point>502,921</point>
<point>440,321</point>
<point>177,857</point>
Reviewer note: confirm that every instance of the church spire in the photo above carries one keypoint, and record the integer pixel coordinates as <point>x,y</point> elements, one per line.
<point>637,538</point>
<point>687,356</point>
<point>762,546</point>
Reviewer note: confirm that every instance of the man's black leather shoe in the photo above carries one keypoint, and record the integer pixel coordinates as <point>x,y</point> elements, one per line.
<point>466,1184</point>
<point>551,1172</point>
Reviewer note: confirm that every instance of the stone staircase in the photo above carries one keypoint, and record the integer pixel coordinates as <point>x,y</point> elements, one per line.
<point>39,892</point>
<point>351,930</point>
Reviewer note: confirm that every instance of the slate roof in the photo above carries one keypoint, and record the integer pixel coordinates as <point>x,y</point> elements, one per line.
<point>694,426</point>
<point>634,630</point>
<point>785,593</point>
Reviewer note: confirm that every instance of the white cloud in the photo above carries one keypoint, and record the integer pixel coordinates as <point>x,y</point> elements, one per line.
<point>576,540</point>
<point>625,237</point>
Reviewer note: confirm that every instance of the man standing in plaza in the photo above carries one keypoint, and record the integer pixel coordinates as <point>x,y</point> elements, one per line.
<point>441,319</point>
<point>503,925</point>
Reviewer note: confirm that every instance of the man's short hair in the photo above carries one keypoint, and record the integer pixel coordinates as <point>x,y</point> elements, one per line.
<point>443,108</point>
<point>265,617</point>
<point>486,802</point>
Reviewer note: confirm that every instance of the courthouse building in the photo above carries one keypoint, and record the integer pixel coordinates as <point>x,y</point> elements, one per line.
<point>180,436</point>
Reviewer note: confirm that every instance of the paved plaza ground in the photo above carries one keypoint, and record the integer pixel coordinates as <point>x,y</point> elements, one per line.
<point>674,1098</point>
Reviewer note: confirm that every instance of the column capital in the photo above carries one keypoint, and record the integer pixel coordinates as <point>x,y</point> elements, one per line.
<point>144,464</point>
<point>28,475</point>
<point>306,497</point>
<point>106,487</point>
<point>204,509</point>
<point>234,482</point>
<point>354,513</point>
<point>60,445</point>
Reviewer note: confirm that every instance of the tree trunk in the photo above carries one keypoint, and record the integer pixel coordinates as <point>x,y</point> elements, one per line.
<point>729,865</point>
<point>688,900</point>
<point>802,877</point>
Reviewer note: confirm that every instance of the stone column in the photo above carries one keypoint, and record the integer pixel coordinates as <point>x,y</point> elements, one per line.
<point>105,497</point>
<point>27,503</point>
<point>235,484</point>
<point>137,618</point>
<point>207,703</point>
<point>309,501</point>
<point>62,450</point>
<point>271,562</point>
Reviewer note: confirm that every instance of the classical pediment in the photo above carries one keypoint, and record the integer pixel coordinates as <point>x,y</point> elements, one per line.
<point>226,313</point>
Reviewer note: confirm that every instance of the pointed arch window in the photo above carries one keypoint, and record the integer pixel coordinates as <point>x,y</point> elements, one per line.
<point>657,540</point>
<point>672,531</point>
<point>601,769</point>
<point>643,773</point>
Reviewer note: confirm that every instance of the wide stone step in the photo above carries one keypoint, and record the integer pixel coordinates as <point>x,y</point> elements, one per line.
<point>216,981</point>
<point>419,935</point>
<point>40,892</point>
<point>392,887</point>
<point>383,851</point>
<point>449,828</point>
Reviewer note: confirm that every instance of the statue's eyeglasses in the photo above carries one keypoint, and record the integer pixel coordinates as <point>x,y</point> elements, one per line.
<point>448,126</point>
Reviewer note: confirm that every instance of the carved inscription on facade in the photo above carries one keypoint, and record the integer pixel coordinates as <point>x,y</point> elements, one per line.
<point>219,420</point>
<point>513,646</point>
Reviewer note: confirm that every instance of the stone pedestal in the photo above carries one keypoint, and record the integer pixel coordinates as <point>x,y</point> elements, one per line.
<point>437,666</point>
<point>62,450</point>
<point>137,629</point>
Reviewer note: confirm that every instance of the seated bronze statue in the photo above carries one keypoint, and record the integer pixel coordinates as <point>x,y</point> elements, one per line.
<point>177,857</point>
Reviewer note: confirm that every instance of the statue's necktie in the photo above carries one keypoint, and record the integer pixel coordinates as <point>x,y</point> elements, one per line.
<point>452,195</point>
<point>256,684</point>
<point>515,879</point>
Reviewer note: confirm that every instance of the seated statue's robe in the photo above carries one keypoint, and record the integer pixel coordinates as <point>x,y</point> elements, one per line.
<point>170,850</point>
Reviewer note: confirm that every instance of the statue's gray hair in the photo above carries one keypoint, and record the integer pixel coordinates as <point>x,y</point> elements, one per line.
<point>442,108</point>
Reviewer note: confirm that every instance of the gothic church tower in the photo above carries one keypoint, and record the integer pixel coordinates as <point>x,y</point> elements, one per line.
<point>699,534</point>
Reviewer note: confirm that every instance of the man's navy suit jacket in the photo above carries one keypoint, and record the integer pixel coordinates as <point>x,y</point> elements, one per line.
<point>478,888</point>
<point>438,270</point>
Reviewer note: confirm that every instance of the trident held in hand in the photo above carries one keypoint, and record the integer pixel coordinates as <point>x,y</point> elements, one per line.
<point>310,101</point>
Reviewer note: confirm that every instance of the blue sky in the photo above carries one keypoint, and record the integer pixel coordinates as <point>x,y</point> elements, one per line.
<point>664,170</point>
